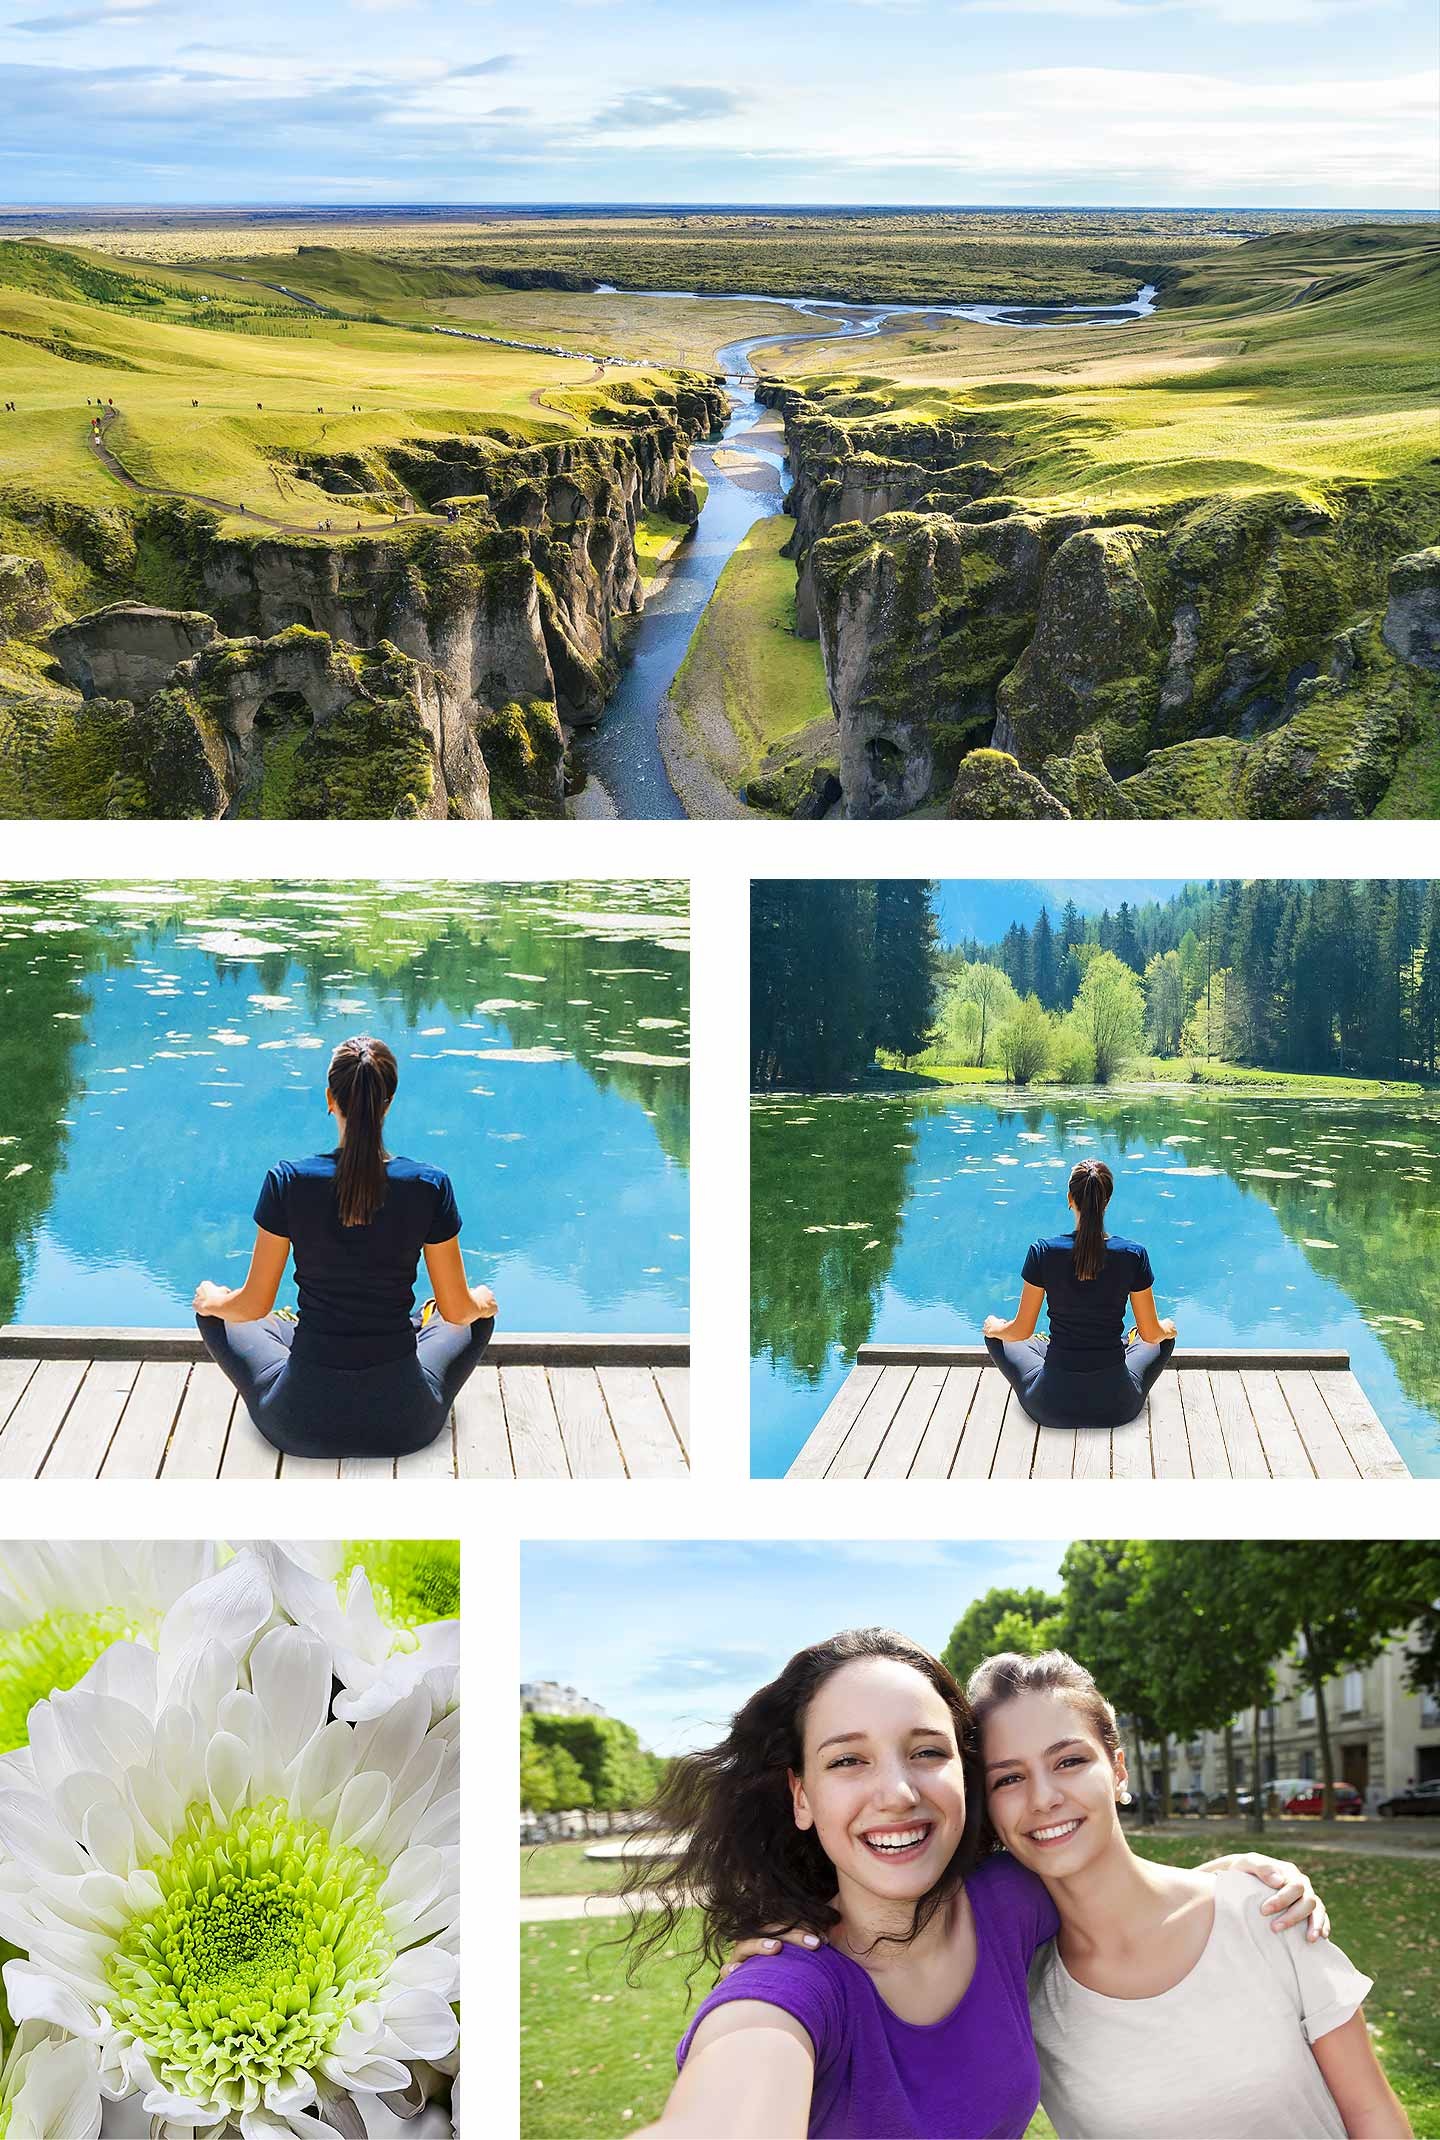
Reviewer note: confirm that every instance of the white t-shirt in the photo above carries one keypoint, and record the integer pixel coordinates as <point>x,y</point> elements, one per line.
<point>1223,2055</point>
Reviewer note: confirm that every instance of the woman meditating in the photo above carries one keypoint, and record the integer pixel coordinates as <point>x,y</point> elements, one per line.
<point>846,1808</point>
<point>1088,1375</point>
<point>359,1374</point>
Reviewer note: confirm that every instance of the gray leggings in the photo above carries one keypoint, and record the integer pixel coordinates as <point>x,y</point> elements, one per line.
<point>306,1409</point>
<point>1057,1395</point>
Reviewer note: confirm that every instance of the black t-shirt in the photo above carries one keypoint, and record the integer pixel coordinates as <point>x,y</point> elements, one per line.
<point>1087,1315</point>
<point>356,1283</point>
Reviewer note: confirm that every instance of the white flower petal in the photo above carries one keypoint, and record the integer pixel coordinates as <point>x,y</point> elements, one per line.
<point>420,2024</point>
<point>364,1805</point>
<point>227,1774</point>
<point>230,1608</point>
<point>32,1994</point>
<point>291,1675</point>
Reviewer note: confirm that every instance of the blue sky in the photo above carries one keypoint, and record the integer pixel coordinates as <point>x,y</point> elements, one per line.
<point>672,1635</point>
<point>1207,102</point>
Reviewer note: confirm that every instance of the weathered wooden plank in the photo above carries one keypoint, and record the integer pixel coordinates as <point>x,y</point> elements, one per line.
<point>1211,1456</point>
<point>642,1424</point>
<point>79,1449</point>
<point>295,1470</point>
<point>143,1435</point>
<point>828,1435</point>
<point>897,1453</point>
<point>1283,1442</point>
<point>482,1441</point>
<point>863,1442</point>
<point>1094,1452</point>
<point>369,1468</point>
<point>673,1384</point>
<point>921,1356</point>
<point>535,1439</point>
<point>198,1443</point>
<point>1055,1452</point>
<point>247,1453</point>
<point>586,1428</point>
<point>1365,1438</point>
<point>1015,1444</point>
<point>15,1374</point>
<point>37,1417</point>
<point>436,1460</point>
<point>1243,1448</point>
<point>1130,1452</point>
<point>1169,1441</point>
<point>978,1456</point>
<point>944,1436</point>
<point>1325,1445</point>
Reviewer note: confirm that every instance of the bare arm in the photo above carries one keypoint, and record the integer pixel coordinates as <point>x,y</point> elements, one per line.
<point>248,1302</point>
<point>457,1300</point>
<point>1368,2105</point>
<point>1147,1322</point>
<point>749,2075</point>
<point>1022,1322</point>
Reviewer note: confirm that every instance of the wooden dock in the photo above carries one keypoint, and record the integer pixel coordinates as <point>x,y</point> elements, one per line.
<point>150,1404</point>
<point>944,1412</point>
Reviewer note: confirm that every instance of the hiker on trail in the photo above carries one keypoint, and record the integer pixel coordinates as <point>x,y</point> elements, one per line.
<point>1087,1374</point>
<point>359,1373</point>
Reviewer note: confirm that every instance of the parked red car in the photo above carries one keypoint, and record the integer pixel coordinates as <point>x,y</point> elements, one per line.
<point>1306,1798</point>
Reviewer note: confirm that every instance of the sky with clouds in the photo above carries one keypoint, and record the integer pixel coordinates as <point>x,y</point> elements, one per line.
<point>673,1635</point>
<point>1287,103</point>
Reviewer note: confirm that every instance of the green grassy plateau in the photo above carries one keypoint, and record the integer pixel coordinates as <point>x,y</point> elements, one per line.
<point>747,674</point>
<point>598,2057</point>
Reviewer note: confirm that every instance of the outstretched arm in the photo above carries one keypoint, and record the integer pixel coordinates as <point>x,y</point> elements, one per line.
<point>1368,2106</point>
<point>248,1302</point>
<point>1022,1322</point>
<point>1147,1322</point>
<point>457,1300</point>
<point>749,2075</point>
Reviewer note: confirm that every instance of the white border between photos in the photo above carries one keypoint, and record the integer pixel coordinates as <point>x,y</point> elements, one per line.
<point>719,1501</point>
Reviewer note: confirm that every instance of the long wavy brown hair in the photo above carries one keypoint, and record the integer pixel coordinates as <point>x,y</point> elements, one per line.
<point>362,1081</point>
<point>742,1859</point>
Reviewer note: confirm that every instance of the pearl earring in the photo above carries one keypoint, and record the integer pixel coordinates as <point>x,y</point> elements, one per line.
<point>1123,1799</point>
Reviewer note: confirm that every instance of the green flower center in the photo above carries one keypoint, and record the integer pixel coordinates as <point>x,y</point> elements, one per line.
<point>413,1580</point>
<point>50,1655</point>
<point>268,1935</point>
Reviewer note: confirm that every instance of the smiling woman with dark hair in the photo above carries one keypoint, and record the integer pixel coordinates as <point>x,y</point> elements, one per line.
<point>1088,1374</point>
<point>359,1374</point>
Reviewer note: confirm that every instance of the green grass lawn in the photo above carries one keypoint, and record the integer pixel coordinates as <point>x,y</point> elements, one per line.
<point>564,1869</point>
<point>1187,1073</point>
<point>657,538</point>
<point>745,661</point>
<point>597,2057</point>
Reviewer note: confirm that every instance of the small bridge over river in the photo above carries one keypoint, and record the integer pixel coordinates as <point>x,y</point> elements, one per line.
<point>151,1404</point>
<point>944,1412</point>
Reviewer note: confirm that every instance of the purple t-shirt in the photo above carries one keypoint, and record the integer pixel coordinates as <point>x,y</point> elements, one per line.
<point>972,2076</point>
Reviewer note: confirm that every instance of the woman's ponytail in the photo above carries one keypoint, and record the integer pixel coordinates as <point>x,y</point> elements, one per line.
<point>362,1081</point>
<point>1091,1187</point>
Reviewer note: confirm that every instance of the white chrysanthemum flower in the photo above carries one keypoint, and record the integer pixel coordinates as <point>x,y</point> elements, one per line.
<point>389,1609</point>
<point>48,2088</point>
<point>247,1908</point>
<point>62,1606</point>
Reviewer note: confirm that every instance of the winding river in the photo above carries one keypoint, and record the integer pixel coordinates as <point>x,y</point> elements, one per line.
<point>625,772</point>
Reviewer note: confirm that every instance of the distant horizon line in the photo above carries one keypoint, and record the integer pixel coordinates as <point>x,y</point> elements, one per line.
<point>717,207</point>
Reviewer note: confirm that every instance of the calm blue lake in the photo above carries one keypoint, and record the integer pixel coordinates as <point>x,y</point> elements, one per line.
<point>1284,1221</point>
<point>162,1045</point>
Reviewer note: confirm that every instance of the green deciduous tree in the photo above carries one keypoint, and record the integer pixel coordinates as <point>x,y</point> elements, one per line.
<point>1024,1042</point>
<point>1110,1012</point>
<point>1003,1619</point>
